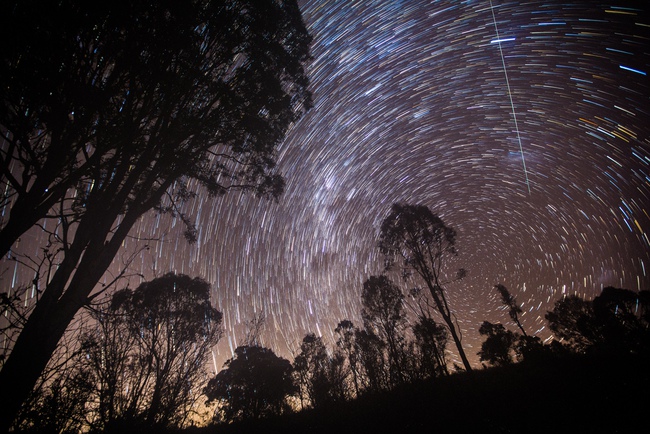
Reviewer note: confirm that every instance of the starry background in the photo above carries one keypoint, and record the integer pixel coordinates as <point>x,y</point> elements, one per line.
<point>412,105</point>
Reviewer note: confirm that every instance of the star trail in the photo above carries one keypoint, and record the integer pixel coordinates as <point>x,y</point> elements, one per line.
<point>411,105</point>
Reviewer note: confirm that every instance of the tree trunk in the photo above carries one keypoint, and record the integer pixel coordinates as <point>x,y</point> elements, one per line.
<point>458,343</point>
<point>55,310</point>
<point>446,316</point>
<point>28,358</point>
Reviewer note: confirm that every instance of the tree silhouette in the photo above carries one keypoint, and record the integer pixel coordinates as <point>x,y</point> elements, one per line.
<point>624,319</point>
<point>60,407</point>
<point>384,316</point>
<point>510,302</point>
<point>422,241</point>
<point>431,343</point>
<point>615,321</point>
<point>320,377</point>
<point>525,347</point>
<point>498,348</point>
<point>370,349</point>
<point>146,353</point>
<point>346,347</point>
<point>108,111</point>
<point>572,320</point>
<point>254,384</point>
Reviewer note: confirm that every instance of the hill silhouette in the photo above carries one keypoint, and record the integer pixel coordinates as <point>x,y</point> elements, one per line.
<point>576,394</point>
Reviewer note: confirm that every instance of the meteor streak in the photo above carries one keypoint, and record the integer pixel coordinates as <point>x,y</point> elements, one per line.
<point>498,41</point>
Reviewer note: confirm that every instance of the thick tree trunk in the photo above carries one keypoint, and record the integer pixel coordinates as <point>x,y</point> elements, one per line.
<point>55,310</point>
<point>20,221</point>
<point>29,357</point>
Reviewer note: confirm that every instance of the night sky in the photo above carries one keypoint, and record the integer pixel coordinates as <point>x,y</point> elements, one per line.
<point>412,105</point>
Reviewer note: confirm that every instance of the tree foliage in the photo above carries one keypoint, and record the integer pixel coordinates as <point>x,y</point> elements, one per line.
<point>348,351</point>
<point>147,352</point>
<point>430,342</point>
<point>510,302</point>
<point>422,242</point>
<point>615,321</point>
<point>320,377</point>
<point>498,348</point>
<point>139,362</point>
<point>254,384</point>
<point>59,406</point>
<point>370,350</point>
<point>109,110</point>
<point>384,317</point>
<point>503,346</point>
<point>572,320</point>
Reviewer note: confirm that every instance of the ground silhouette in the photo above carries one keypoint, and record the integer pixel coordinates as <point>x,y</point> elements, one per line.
<point>576,394</point>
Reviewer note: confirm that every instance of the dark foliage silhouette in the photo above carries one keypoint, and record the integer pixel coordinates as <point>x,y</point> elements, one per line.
<point>347,349</point>
<point>431,343</point>
<point>254,384</point>
<point>146,353</point>
<point>615,321</point>
<point>139,362</point>
<point>510,302</point>
<point>501,346</point>
<point>370,351</point>
<point>572,321</point>
<point>320,377</point>
<point>108,110</point>
<point>384,317</point>
<point>498,348</point>
<point>60,405</point>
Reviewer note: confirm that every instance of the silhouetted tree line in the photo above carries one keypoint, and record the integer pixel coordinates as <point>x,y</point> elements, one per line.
<point>141,361</point>
<point>615,322</point>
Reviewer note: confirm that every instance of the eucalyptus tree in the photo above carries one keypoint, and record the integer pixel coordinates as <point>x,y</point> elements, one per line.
<point>431,343</point>
<point>109,110</point>
<point>498,347</point>
<point>510,302</point>
<point>255,383</point>
<point>423,243</point>
<point>320,377</point>
<point>384,316</point>
<point>146,353</point>
<point>348,350</point>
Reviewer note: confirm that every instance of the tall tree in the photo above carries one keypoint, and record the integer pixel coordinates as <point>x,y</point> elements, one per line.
<point>254,384</point>
<point>374,370</point>
<point>110,110</point>
<point>146,353</point>
<point>510,302</point>
<point>431,338</point>
<point>526,347</point>
<point>422,241</point>
<point>384,316</point>
<point>346,347</point>
<point>431,343</point>
<point>319,374</point>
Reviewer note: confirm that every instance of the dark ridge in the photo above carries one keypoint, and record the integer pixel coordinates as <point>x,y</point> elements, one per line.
<point>596,394</point>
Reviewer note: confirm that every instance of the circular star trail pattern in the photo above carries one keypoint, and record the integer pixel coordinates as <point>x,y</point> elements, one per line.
<point>412,105</point>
